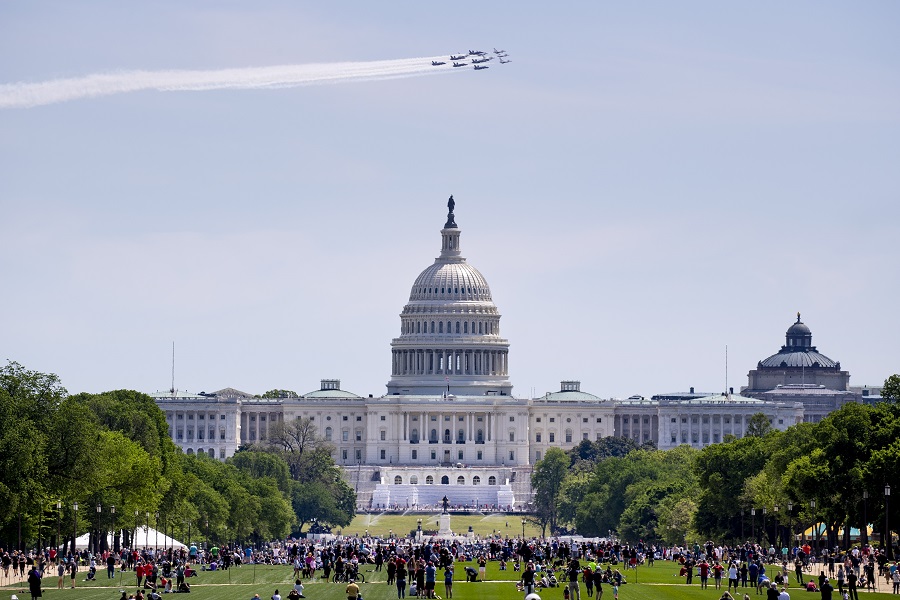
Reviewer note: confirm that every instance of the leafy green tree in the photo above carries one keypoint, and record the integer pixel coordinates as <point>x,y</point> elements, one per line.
<point>758,425</point>
<point>280,394</point>
<point>891,389</point>
<point>547,481</point>
<point>676,518</point>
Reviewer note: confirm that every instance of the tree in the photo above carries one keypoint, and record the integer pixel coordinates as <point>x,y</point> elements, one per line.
<point>891,389</point>
<point>758,425</point>
<point>546,481</point>
<point>280,394</point>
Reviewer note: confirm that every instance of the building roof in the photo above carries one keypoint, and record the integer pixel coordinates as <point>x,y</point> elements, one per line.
<point>798,352</point>
<point>570,396</point>
<point>330,394</point>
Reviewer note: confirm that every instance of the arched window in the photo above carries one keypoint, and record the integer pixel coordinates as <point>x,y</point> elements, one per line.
<point>476,480</point>
<point>466,327</point>
<point>432,327</point>
<point>479,327</point>
<point>398,480</point>
<point>460,480</point>
<point>328,434</point>
<point>449,329</point>
<point>413,435</point>
<point>433,437</point>
<point>445,480</point>
<point>492,480</point>
<point>457,327</point>
<point>429,480</point>
<point>568,436</point>
<point>418,327</point>
<point>190,451</point>
<point>447,436</point>
<point>413,480</point>
<point>441,327</point>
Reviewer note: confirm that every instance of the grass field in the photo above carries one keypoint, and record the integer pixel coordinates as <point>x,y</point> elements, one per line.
<point>649,583</point>
<point>482,524</point>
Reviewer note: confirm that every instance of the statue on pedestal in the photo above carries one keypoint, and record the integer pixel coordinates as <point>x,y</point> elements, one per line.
<point>445,502</point>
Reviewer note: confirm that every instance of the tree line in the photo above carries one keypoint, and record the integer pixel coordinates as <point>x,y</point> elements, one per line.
<point>99,463</point>
<point>768,486</point>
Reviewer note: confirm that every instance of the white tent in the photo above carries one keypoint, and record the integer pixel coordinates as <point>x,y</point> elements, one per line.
<point>145,537</point>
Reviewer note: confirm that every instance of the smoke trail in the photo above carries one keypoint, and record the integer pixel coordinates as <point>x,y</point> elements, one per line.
<point>27,95</point>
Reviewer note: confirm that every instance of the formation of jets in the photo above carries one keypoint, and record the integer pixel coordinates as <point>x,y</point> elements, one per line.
<point>479,57</point>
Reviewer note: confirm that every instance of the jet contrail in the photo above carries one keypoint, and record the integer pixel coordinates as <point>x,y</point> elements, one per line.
<point>27,95</point>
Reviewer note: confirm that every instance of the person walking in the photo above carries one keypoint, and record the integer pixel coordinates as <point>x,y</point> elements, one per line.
<point>573,571</point>
<point>851,585</point>
<point>34,583</point>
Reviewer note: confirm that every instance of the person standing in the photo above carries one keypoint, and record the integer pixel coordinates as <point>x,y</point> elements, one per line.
<point>34,583</point>
<point>826,589</point>
<point>401,578</point>
<point>448,581</point>
<point>573,571</point>
<point>851,584</point>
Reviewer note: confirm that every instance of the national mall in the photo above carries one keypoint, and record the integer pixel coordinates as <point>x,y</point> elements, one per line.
<point>449,424</point>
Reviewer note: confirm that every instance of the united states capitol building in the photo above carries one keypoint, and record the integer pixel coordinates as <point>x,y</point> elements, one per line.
<point>449,423</point>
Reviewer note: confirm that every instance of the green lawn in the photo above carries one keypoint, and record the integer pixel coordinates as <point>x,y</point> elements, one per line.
<point>482,524</point>
<point>654,583</point>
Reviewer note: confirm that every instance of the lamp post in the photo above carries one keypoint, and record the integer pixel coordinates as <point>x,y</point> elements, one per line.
<point>156,529</point>
<point>887,524</point>
<point>523,528</point>
<point>99,527</point>
<point>790,526</point>
<point>775,510</point>
<point>742,525</point>
<point>753,523</point>
<point>812,505</point>
<point>74,526</point>
<point>763,532</point>
<point>137,524</point>
<point>58,523</point>
<point>147,530</point>
<point>112,511</point>
<point>865,525</point>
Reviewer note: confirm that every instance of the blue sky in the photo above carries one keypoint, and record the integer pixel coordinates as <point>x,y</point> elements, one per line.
<point>643,185</point>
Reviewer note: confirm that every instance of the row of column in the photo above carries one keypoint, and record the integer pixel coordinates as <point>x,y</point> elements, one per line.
<point>193,426</point>
<point>255,427</point>
<point>734,428</point>
<point>450,362</point>
<point>470,426</point>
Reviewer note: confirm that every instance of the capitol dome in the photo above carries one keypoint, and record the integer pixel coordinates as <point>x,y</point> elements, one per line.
<point>450,330</point>
<point>798,351</point>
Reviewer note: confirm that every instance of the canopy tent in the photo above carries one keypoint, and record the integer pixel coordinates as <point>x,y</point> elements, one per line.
<point>145,537</point>
<point>822,529</point>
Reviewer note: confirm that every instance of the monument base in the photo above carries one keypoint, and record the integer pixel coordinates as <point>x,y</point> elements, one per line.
<point>444,525</point>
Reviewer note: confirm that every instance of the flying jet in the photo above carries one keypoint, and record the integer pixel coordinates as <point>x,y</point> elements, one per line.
<point>503,62</point>
<point>499,51</point>
<point>436,63</point>
<point>460,57</point>
<point>476,52</point>
<point>476,61</point>
<point>456,64</point>
<point>480,67</point>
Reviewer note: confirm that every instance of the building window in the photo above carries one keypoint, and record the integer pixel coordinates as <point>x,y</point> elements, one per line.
<point>537,456</point>
<point>492,480</point>
<point>221,417</point>
<point>553,419</point>
<point>179,417</point>
<point>383,454</point>
<point>358,454</point>
<point>221,434</point>
<point>358,435</point>
<point>512,419</point>
<point>358,419</point>
<point>674,420</point>
<point>222,453</point>
<point>413,480</point>
<point>599,436</point>
<point>383,418</point>
<point>345,417</point>
<point>429,480</point>
<point>599,420</point>
<point>433,455</point>
<point>328,433</point>
<point>190,417</point>
<point>512,436</point>
<point>460,480</point>
<point>383,435</point>
<point>552,437</point>
<point>538,419</point>
<point>201,417</point>
<point>537,437</point>
<point>459,455</point>
<point>345,435</point>
<point>478,455</point>
<point>512,455</point>
<point>415,454</point>
<point>344,454</point>
<point>476,480</point>
<point>584,420</point>
<point>398,480</point>
<point>584,435</point>
<point>445,480</point>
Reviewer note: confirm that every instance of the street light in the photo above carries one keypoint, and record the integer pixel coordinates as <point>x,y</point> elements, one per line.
<point>887,523</point>
<point>753,522</point>
<point>523,529</point>
<point>790,526</point>
<point>156,529</point>
<point>147,530</point>
<point>775,510</point>
<point>763,531</point>
<point>99,527</point>
<point>865,527</point>
<point>112,511</point>
<point>742,524</point>
<point>812,505</point>
<point>58,523</point>
<point>74,526</point>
